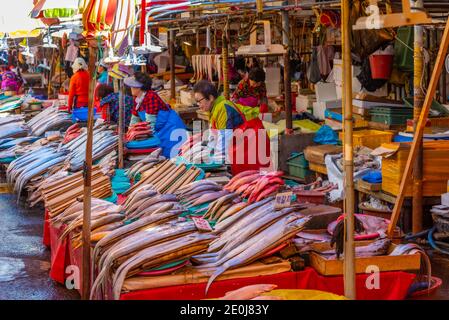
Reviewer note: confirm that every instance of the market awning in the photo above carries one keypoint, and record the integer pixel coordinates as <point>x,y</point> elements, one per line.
<point>55,8</point>
<point>22,34</point>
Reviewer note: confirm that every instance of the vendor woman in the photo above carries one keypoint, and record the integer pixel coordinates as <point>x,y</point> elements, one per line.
<point>251,90</point>
<point>102,70</point>
<point>109,104</point>
<point>164,122</point>
<point>79,90</point>
<point>225,117</point>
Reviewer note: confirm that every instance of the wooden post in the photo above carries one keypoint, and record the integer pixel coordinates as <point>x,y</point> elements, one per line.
<point>225,56</point>
<point>259,6</point>
<point>53,54</point>
<point>87,174</point>
<point>420,128</point>
<point>418,100</point>
<point>287,73</point>
<point>121,125</point>
<point>349,250</point>
<point>172,67</point>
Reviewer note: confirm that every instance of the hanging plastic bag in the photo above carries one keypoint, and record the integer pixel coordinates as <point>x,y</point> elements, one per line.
<point>314,74</point>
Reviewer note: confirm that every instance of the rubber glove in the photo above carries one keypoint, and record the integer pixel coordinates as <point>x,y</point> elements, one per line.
<point>134,120</point>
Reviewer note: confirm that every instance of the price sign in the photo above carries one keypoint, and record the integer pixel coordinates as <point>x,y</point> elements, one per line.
<point>283,200</point>
<point>52,133</point>
<point>202,224</point>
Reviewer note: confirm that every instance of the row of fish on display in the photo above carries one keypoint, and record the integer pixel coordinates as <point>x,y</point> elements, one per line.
<point>33,158</point>
<point>152,236</point>
<point>164,175</point>
<point>156,233</point>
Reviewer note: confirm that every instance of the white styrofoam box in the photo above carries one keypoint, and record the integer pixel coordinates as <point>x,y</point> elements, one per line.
<point>319,107</point>
<point>273,88</point>
<point>357,88</point>
<point>369,104</point>
<point>304,102</point>
<point>445,199</point>
<point>273,74</point>
<point>186,97</point>
<point>338,70</point>
<point>325,91</point>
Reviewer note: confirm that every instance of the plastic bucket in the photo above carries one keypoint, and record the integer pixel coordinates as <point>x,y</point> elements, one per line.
<point>81,114</point>
<point>381,66</point>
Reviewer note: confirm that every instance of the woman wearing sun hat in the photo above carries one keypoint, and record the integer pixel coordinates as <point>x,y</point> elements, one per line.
<point>149,107</point>
<point>79,90</point>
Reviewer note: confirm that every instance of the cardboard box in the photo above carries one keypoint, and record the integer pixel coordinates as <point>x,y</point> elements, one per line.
<point>327,267</point>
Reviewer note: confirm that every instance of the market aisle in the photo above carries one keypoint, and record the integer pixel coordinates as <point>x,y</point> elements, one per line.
<point>24,261</point>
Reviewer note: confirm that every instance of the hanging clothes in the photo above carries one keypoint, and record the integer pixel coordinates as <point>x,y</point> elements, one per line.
<point>72,52</point>
<point>325,56</point>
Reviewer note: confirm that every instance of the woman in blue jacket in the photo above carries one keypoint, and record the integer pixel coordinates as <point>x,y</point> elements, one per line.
<point>163,121</point>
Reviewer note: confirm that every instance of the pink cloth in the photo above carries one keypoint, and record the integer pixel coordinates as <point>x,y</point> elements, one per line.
<point>248,101</point>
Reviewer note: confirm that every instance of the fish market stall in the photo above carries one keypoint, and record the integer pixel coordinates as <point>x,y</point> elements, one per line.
<point>140,221</point>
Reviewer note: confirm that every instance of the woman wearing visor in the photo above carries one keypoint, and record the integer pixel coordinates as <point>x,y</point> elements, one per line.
<point>164,122</point>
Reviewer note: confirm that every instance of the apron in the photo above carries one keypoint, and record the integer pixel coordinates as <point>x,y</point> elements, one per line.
<point>167,121</point>
<point>250,144</point>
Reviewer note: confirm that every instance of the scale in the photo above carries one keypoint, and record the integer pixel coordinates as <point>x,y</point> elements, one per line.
<point>261,49</point>
<point>379,21</point>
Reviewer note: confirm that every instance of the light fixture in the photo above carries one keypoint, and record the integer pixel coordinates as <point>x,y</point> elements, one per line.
<point>27,52</point>
<point>48,43</point>
<point>4,43</point>
<point>111,58</point>
<point>379,21</point>
<point>131,59</point>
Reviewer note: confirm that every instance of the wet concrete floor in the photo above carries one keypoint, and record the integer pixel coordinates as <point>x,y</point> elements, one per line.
<point>24,260</point>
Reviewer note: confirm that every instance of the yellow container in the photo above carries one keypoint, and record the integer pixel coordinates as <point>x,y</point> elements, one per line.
<point>435,169</point>
<point>370,138</point>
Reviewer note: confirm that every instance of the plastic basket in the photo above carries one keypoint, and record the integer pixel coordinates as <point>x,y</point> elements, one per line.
<point>370,138</point>
<point>298,166</point>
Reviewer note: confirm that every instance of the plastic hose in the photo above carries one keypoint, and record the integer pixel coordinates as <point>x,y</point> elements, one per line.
<point>432,242</point>
<point>416,235</point>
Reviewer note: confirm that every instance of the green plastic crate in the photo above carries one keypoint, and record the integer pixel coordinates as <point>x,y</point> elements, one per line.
<point>403,56</point>
<point>435,106</point>
<point>298,166</point>
<point>404,111</point>
<point>390,119</point>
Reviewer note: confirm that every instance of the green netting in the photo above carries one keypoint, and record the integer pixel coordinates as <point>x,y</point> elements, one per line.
<point>7,160</point>
<point>112,198</point>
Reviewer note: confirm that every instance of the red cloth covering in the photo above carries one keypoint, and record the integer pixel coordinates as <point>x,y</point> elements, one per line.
<point>139,151</point>
<point>60,256</point>
<point>393,286</point>
<point>46,236</point>
<point>245,147</point>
